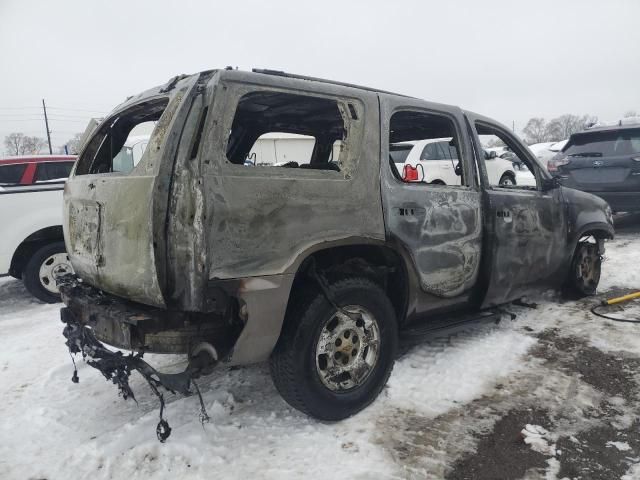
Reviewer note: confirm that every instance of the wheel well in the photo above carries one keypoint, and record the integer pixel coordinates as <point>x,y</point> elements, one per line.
<point>596,233</point>
<point>30,244</point>
<point>380,264</point>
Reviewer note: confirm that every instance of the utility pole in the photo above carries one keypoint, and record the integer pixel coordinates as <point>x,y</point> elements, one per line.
<point>513,125</point>
<point>46,123</point>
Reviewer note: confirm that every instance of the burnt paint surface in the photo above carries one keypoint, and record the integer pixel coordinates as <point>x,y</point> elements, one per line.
<point>262,221</point>
<point>528,247</point>
<point>181,225</point>
<point>530,234</point>
<point>112,226</point>
<point>439,227</point>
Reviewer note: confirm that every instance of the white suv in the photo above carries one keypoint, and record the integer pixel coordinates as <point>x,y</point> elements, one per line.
<point>435,161</point>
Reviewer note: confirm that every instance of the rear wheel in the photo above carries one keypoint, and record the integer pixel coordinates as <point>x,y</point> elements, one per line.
<point>507,179</point>
<point>331,363</point>
<point>585,269</point>
<point>39,275</point>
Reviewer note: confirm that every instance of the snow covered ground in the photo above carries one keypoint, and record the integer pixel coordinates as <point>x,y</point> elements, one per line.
<point>453,408</point>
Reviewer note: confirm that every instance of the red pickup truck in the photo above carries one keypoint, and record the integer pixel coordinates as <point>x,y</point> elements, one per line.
<point>36,168</point>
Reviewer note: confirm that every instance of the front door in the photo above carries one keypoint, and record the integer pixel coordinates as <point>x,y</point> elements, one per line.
<point>437,224</point>
<point>526,230</point>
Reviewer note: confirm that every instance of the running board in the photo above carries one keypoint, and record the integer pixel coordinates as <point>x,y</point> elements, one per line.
<point>443,327</point>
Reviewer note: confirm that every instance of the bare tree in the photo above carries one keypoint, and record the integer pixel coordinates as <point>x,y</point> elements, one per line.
<point>21,144</point>
<point>73,144</point>
<point>535,131</point>
<point>630,113</point>
<point>562,127</point>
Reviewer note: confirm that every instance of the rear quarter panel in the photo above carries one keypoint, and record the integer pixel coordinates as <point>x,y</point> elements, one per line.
<point>264,219</point>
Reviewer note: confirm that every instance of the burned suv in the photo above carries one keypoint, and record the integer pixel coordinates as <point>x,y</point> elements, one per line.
<point>318,261</point>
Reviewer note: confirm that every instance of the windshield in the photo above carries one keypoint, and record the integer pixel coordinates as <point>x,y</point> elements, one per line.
<point>598,144</point>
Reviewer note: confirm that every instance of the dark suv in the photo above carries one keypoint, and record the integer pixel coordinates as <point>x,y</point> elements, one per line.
<point>604,161</point>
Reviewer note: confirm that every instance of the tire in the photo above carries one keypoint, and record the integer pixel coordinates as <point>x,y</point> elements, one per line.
<point>296,366</point>
<point>507,179</point>
<point>584,275</point>
<point>43,287</point>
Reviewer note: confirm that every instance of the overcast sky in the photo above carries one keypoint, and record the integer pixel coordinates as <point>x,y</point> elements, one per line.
<point>509,60</point>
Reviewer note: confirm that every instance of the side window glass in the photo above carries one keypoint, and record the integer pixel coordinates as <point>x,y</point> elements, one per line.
<point>285,130</point>
<point>11,174</point>
<point>443,150</point>
<point>430,152</point>
<point>51,171</point>
<point>417,139</point>
<point>504,160</point>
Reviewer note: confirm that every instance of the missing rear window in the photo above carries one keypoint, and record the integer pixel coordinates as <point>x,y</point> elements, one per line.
<point>120,144</point>
<point>286,130</point>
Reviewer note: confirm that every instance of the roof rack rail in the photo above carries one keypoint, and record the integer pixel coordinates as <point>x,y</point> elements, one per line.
<point>280,73</point>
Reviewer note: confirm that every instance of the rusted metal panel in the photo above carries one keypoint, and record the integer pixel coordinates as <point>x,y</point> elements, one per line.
<point>131,210</point>
<point>263,219</point>
<point>189,232</point>
<point>439,226</point>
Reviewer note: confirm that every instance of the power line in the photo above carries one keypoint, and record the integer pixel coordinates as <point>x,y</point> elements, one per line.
<point>39,119</point>
<point>99,110</point>
<point>22,115</point>
<point>70,109</point>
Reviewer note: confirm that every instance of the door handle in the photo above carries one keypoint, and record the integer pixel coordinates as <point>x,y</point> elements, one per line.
<point>409,211</point>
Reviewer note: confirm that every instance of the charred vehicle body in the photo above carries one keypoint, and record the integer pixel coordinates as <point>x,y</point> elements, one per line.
<point>317,264</point>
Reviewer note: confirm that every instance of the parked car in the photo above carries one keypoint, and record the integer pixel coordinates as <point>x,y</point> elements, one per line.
<point>317,267</point>
<point>436,161</point>
<point>27,170</point>
<point>604,161</point>
<point>31,244</point>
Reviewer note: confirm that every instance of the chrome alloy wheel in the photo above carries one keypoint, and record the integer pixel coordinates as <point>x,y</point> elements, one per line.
<point>348,348</point>
<point>54,266</point>
<point>507,180</point>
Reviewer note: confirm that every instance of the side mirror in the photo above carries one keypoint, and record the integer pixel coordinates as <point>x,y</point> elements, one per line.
<point>492,154</point>
<point>550,183</point>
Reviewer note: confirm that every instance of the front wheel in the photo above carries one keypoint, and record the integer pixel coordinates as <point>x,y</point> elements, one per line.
<point>585,270</point>
<point>507,180</point>
<point>331,362</point>
<point>39,275</point>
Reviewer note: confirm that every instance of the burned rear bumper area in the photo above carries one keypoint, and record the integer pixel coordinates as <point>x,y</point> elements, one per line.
<point>137,327</point>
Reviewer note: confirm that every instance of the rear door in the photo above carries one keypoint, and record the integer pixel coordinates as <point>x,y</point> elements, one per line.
<point>605,161</point>
<point>439,227</point>
<point>115,220</point>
